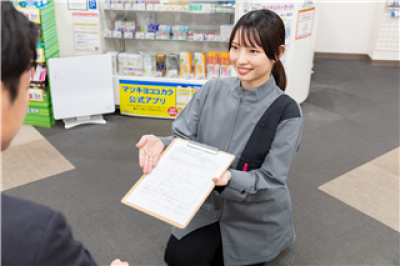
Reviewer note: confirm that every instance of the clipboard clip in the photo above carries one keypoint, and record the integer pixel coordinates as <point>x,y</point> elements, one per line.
<point>203,147</point>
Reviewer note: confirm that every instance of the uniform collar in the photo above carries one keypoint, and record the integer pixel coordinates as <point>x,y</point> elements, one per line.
<point>257,94</point>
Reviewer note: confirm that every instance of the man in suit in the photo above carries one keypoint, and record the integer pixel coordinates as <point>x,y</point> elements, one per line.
<point>31,234</point>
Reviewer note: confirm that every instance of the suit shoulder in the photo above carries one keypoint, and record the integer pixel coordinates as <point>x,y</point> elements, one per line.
<point>24,226</point>
<point>20,206</point>
<point>22,217</point>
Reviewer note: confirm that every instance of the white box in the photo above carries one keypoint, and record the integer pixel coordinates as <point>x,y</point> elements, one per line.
<point>108,33</point>
<point>139,35</point>
<point>150,7</point>
<point>107,4</point>
<point>114,61</point>
<point>123,60</point>
<point>128,35</point>
<point>158,7</point>
<point>117,34</point>
<point>226,30</point>
<point>150,35</point>
<point>120,25</point>
<point>141,7</point>
<point>128,4</point>
<point>130,25</point>
<point>135,61</point>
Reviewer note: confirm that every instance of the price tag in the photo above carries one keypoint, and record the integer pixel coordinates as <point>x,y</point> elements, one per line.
<point>35,95</point>
<point>33,14</point>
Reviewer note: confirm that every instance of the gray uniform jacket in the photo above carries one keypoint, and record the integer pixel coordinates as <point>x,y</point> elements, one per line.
<point>254,210</point>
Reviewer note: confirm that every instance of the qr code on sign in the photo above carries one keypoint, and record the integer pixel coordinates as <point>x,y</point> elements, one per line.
<point>96,48</point>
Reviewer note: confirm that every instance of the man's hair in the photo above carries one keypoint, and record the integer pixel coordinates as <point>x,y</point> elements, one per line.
<point>18,47</point>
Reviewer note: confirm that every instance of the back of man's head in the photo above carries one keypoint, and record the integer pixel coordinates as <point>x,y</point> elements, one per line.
<point>18,54</point>
<point>18,46</point>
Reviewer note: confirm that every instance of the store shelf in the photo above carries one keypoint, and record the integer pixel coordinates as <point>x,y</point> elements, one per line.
<point>170,40</point>
<point>161,79</point>
<point>175,12</point>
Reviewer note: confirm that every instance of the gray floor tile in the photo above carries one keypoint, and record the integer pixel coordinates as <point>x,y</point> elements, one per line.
<point>339,102</point>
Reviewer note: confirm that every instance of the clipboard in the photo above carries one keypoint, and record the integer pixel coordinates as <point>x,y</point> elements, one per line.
<point>164,205</point>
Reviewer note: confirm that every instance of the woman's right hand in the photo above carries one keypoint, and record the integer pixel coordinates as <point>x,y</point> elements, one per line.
<point>150,149</point>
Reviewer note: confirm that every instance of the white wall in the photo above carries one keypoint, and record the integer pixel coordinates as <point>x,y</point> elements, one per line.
<point>384,40</point>
<point>344,27</point>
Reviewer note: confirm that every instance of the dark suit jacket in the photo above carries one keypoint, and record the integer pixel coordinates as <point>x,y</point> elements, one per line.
<point>32,234</point>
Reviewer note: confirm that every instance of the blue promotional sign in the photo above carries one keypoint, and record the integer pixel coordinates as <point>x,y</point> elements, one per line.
<point>92,4</point>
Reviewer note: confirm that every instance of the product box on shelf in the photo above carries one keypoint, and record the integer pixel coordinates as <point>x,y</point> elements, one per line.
<point>122,62</point>
<point>108,33</point>
<point>225,8</point>
<point>135,61</point>
<point>119,25</point>
<point>120,4</point>
<point>226,30</point>
<point>160,65</point>
<point>129,4</point>
<point>183,97</point>
<point>147,69</point>
<point>213,65</point>
<point>117,34</point>
<point>199,65</point>
<point>144,19</point>
<point>150,35</point>
<point>114,61</point>
<point>139,35</point>
<point>225,65</point>
<point>107,4</point>
<point>129,35</point>
<point>173,66</point>
<point>185,65</point>
<point>182,7</point>
<point>140,5</point>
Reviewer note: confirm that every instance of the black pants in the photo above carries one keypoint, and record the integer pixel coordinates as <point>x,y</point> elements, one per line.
<point>200,248</point>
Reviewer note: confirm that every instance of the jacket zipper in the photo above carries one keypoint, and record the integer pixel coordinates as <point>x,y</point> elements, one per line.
<point>229,140</point>
<point>228,144</point>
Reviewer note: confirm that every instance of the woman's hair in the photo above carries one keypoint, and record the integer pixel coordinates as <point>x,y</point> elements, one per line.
<point>18,47</point>
<point>265,28</point>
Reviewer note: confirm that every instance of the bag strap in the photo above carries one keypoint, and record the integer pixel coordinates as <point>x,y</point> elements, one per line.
<point>263,134</point>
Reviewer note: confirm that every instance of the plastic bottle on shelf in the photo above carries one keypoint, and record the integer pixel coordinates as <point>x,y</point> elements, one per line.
<point>199,65</point>
<point>160,65</point>
<point>173,66</point>
<point>213,65</point>
<point>185,65</point>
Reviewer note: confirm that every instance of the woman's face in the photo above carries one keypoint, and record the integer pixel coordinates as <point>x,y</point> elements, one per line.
<point>252,65</point>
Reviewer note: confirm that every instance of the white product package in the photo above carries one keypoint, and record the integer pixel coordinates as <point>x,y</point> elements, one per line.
<point>114,61</point>
<point>147,65</point>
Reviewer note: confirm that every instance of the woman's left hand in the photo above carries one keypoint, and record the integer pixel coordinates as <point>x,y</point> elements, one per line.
<point>224,180</point>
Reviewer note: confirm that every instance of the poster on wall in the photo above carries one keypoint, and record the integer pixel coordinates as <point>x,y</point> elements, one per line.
<point>77,5</point>
<point>288,12</point>
<point>305,23</point>
<point>86,27</point>
<point>154,99</point>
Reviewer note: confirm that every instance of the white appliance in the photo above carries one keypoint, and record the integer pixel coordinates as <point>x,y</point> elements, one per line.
<point>82,89</point>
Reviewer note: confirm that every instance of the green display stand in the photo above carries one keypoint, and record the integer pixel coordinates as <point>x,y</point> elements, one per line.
<point>40,113</point>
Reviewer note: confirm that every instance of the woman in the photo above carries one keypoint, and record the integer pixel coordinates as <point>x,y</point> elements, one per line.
<point>247,219</point>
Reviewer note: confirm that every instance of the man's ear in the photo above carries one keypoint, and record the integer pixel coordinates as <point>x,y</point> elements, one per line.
<point>5,100</point>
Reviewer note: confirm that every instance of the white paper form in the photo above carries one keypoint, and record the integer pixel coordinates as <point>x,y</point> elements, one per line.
<point>180,182</point>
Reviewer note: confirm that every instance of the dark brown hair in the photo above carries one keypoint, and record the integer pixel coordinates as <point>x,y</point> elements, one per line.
<point>267,29</point>
<point>18,47</point>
